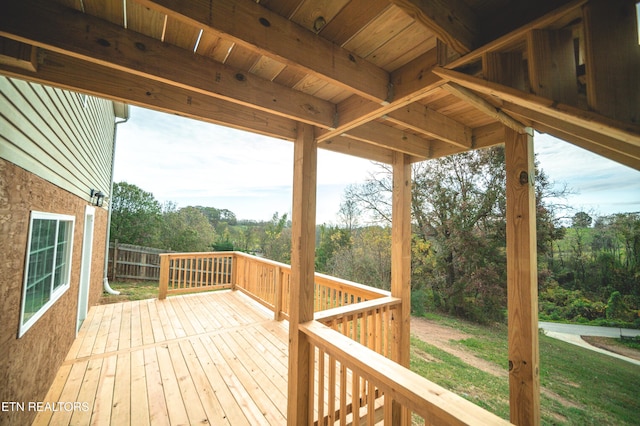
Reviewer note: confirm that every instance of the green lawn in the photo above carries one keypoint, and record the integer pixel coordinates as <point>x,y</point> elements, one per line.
<point>130,290</point>
<point>579,387</point>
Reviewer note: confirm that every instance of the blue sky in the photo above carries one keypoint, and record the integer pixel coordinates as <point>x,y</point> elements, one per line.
<point>195,163</point>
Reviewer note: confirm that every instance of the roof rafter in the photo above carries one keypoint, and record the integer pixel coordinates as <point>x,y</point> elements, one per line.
<point>361,149</point>
<point>430,122</point>
<point>91,39</point>
<point>594,126</point>
<point>389,137</point>
<point>600,144</point>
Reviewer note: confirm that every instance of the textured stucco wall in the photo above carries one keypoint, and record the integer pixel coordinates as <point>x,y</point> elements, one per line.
<point>28,365</point>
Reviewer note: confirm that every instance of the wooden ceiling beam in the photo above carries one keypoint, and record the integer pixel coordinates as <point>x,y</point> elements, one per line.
<point>410,83</point>
<point>483,137</point>
<point>425,120</point>
<point>389,137</point>
<point>484,106</point>
<point>345,145</point>
<point>255,27</point>
<point>69,73</point>
<point>54,27</point>
<point>594,126</point>
<point>626,160</point>
<point>452,21</point>
<point>607,146</point>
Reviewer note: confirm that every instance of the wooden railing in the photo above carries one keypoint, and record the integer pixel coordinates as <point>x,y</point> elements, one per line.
<point>268,282</point>
<point>193,272</point>
<point>369,323</point>
<point>354,385</point>
<point>264,280</point>
<point>352,378</point>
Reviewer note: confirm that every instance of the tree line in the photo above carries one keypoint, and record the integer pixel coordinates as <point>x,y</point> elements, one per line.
<point>588,271</point>
<point>138,218</point>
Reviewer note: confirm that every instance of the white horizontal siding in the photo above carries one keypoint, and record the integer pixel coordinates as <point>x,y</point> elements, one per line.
<point>61,136</point>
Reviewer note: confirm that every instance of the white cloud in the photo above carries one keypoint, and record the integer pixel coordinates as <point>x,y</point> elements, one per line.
<point>195,163</point>
<point>600,186</point>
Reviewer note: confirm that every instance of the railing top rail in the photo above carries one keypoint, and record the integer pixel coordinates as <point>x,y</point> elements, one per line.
<point>198,254</point>
<point>365,288</point>
<point>378,292</point>
<point>261,259</point>
<point>136,248</point>
<point>420,395</point>
<point>355,308</point>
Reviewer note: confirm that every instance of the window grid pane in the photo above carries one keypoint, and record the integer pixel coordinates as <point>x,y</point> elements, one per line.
<point>48,263</point>
<point>61,271</point>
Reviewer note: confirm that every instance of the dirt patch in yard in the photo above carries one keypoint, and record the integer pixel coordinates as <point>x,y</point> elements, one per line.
<point>442,336</point>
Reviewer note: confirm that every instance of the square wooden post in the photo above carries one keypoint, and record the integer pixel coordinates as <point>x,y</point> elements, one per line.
<point>401,256</point>
<point>401,269</point>
<point>522,280</point>
<point>303,227</point>
<point>522,264</point>
<point>277,286</point>
<point>163,285</point>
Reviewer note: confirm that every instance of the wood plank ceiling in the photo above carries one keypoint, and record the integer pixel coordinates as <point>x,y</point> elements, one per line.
<point>373,76</point>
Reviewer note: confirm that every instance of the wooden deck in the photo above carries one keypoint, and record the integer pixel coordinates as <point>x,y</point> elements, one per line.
<point>210,358</point>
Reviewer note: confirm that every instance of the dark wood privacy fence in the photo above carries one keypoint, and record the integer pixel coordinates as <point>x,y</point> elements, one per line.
<point>127,261</point>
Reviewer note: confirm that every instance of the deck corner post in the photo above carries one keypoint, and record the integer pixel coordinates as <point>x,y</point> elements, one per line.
<point>163,285</point>
<point>522,280</point>
<point>277,306</point>
<point>234,270</point>
<point>303,224</point>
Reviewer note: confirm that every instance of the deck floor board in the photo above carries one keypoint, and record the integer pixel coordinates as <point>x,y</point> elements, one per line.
<point>208,358</point>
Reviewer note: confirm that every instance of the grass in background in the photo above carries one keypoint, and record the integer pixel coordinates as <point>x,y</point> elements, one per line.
<point>131,290</point>
<point>579,386</point>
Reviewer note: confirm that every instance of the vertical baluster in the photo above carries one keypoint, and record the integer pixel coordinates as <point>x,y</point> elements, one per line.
<point>312,375</point>
<point>355,396</point>
<point>331,397</point>
<point>371,403</point>
<point>343,395</point>
<point>321,378</point>
<point>388,410</point>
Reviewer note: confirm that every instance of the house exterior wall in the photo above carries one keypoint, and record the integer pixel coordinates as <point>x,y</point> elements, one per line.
<point>54,147</point>
<point>61,136</point>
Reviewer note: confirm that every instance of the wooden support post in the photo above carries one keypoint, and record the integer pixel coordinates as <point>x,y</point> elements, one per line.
<point>522,280</point>
<point>163,285</point>
<point>522,272</point>
<point>277,284</point>
<point>303,224</point>
<point>401,256</point>
<point>235,261</point>
<point>401,269</point>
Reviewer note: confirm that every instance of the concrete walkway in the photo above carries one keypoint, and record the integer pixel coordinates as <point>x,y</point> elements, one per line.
<point>571,333</point>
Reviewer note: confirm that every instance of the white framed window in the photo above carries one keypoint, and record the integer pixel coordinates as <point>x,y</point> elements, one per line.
<point>48,267</point>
